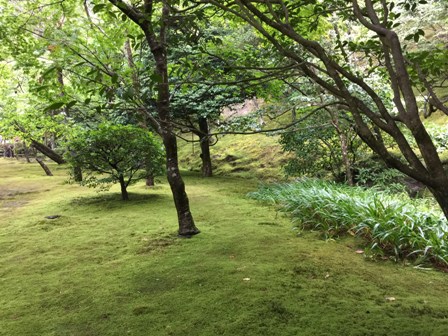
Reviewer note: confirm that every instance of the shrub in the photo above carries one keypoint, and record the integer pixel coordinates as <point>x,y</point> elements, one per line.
<point>115,153</point>
<point>391,225</point>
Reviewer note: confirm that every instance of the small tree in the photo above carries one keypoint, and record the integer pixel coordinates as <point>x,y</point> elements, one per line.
<point>115,153</point>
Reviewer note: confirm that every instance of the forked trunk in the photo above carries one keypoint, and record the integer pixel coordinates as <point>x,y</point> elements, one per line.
<point>26,152</point>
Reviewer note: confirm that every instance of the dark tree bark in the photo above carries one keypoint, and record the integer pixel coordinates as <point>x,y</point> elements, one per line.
<point>44,167</point>
<point>8,151</point>
<point>123,186</point>
<point>48,152</point>
<point>150,181</point>
<point>144,17</point>
<point>77,174</point>
<point>207,170</point>
<point>441,197</point>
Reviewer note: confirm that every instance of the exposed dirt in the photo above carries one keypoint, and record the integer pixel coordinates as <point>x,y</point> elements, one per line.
<point>13,198</point>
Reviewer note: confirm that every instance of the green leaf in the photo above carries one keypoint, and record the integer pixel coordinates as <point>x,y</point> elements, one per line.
<point>114,78</point>
<point>71,104</point>
<point>40,88</point>
<point>48,71</point>
<point>416,37</point>
<point>156,78</point>
<point>98,8</point>
<point>54,106</point>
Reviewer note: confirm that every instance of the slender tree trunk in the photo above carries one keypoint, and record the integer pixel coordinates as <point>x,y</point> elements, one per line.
<point>26,152</point>
<point>48,152</point>
<point>150,180</point>
<point>77,174</point>
<point>187,227</point>
<point>124,192</point>
<point>207,170</point>
<point>344,148</point>
<point>44,167</point>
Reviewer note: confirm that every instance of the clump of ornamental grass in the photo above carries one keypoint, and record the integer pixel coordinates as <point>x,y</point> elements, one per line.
<point>391,225</point>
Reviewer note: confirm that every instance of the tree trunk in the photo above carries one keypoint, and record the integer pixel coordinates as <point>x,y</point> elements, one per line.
<point>187,228</point>
<point>150,180</point>
<point>26,152</point>
<point>44,167</point>
<point>123,186</point>
<point>207,170</point>
<point>344,148</point>
<point>156,38</point>
<point>48,152</point>
<point>77,174</point>
<point>441,196</point>
<point>346,159</point>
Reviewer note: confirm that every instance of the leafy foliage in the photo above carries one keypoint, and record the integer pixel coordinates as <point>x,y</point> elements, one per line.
<point>115,153</point>
<point>375,174</point>
<point>317,148</point>
<point>390,225</point>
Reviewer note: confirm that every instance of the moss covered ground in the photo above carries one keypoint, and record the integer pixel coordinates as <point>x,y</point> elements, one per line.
<point>252,156</point>
<point>107,267</point>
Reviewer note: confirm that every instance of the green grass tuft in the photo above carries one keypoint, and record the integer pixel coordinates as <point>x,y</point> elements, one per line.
<point>392,225</point>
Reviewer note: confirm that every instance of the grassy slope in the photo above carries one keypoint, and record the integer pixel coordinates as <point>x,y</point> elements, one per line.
<point>240,155</point>
<point>257,155</point>
<point>112,268</point>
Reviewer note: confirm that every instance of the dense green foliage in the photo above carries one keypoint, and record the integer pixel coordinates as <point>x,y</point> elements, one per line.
<point>317,149</point>
<point>115,153</point>
<point>390,225</point>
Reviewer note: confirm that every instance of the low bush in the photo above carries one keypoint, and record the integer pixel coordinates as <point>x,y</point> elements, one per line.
<point>391,225</point>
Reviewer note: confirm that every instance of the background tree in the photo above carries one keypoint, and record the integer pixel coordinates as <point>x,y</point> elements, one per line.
<point>115,153</point>
<point>196,108</point>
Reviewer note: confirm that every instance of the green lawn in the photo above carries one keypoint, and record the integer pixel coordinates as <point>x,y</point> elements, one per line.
<point>108,267</point>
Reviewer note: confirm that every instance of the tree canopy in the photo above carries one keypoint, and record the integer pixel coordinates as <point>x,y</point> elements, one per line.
<point>171,65</point>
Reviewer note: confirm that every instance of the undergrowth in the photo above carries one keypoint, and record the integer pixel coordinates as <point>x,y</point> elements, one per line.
<point>391,225</point>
